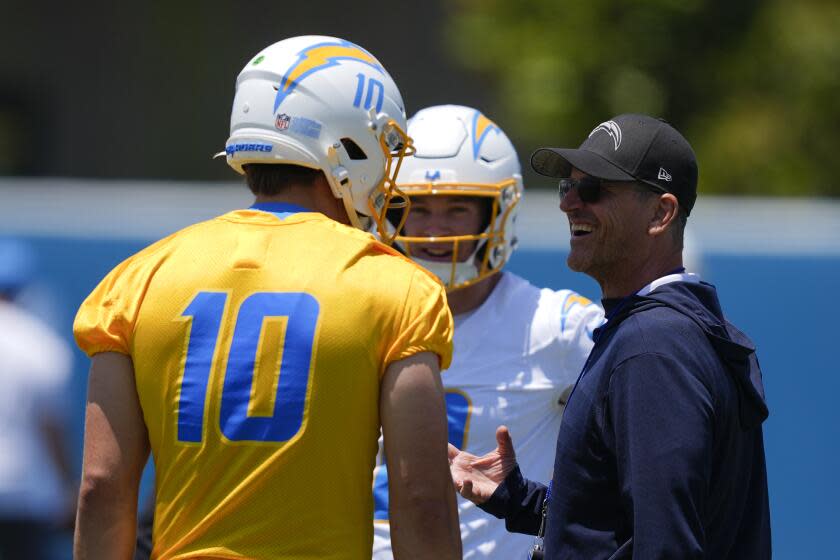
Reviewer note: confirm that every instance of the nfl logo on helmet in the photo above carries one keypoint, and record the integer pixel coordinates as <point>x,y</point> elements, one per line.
<point>282,121</point>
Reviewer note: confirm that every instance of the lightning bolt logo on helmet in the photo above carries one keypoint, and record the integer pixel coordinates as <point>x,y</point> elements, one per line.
<point>320,56</point>
<point>481,127</point>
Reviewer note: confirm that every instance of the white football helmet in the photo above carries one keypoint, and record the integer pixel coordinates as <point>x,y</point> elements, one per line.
<point>328,104</point>
<point>460,152</point>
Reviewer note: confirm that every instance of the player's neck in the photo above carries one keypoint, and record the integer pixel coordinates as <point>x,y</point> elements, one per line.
<point>471,297</point>
<point>317,197</point>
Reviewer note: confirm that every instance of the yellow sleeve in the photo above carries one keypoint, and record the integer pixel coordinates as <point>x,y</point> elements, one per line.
<point>106,319</point>
<point>426,324</point>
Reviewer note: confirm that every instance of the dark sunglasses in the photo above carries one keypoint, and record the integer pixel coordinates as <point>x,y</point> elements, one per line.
<point>589,188</point>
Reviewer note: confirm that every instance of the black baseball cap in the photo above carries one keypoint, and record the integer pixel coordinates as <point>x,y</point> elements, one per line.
<point>629,148</point>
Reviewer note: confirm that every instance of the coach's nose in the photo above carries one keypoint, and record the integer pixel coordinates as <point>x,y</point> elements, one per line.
<point>570,201</point>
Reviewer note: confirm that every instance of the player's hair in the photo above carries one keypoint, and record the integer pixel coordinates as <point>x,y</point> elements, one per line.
<point>271,179</point>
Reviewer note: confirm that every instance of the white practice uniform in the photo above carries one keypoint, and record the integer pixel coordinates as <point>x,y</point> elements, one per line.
<point>35,366</point>
<point>516,360</point>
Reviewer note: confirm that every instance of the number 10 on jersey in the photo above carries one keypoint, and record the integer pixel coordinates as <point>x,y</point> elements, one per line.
<point>206,311</point>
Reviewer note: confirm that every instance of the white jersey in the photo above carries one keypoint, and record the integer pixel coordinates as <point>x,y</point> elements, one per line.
<point>516,360</point>
<point>35,366</point>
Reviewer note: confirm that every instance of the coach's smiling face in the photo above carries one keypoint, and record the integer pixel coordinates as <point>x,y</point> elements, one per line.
<point>609,237</point>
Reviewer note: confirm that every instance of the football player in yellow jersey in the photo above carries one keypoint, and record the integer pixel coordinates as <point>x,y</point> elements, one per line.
<point>257,354</point>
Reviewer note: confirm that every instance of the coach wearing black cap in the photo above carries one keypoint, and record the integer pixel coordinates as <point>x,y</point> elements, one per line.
<point>661,453</point>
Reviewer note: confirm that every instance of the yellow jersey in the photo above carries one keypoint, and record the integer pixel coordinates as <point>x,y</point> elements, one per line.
<point>258,340</point>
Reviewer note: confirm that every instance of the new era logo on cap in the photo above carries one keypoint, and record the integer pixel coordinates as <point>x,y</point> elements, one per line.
<point>664,175</point>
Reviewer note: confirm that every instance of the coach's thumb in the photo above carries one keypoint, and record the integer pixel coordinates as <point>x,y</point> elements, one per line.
<point>467,489</point>
<point>504,441</point>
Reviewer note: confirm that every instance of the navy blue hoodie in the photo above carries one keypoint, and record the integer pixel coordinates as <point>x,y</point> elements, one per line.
<point>660,454</point>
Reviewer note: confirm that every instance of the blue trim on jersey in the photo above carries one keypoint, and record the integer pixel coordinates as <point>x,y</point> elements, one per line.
<point>280,209</point>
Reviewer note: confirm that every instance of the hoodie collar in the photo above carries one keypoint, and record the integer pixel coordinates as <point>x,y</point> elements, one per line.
<point>680,276</point>
<point>613,306</point>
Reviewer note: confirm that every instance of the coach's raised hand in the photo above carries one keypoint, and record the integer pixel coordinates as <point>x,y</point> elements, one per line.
<point>476,478</point>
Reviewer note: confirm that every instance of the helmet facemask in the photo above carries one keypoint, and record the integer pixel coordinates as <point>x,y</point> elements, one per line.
<point>396,145</point>
<point>367,210</point>
<point>492,242</point>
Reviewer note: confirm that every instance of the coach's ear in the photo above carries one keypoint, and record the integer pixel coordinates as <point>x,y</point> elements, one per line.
<point>664,213</point>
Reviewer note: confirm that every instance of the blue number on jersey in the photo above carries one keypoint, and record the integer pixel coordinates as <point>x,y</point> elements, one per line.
<point>206,310</point>
<point>457,415</point>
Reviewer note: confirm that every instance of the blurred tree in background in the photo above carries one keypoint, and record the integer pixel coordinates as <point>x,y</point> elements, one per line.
<point>754,85</point>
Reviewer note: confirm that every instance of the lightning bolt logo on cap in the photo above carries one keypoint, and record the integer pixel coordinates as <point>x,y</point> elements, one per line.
<point>481,127</point>
<point>317,57</point>
<point>611,128</point>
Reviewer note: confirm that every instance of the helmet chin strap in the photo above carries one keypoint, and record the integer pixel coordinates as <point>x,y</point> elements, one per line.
<point>359,222</point>
<point>463,271</point>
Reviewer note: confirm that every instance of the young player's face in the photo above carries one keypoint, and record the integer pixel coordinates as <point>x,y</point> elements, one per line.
<point>608,235</point>
<point>444,216</point>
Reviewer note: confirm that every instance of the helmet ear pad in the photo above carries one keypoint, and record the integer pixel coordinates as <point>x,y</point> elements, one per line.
<point>486,213</point>
<point>487,208</point>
